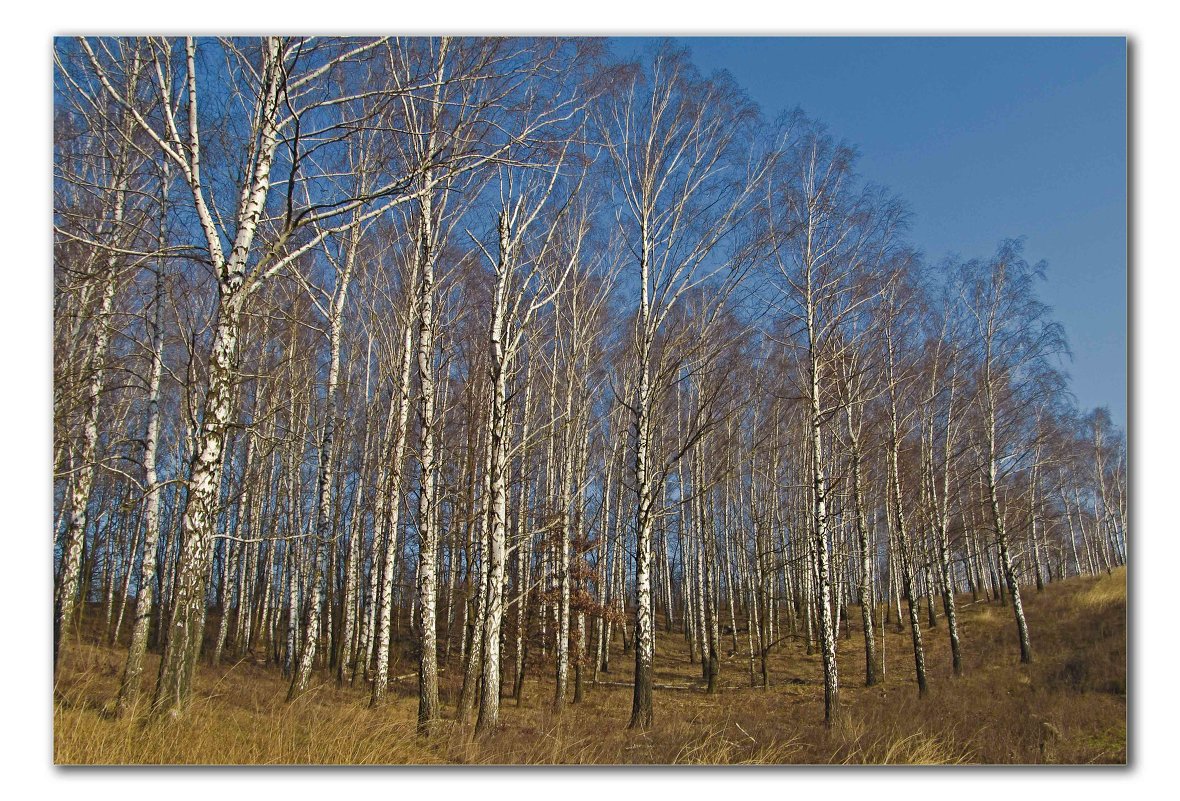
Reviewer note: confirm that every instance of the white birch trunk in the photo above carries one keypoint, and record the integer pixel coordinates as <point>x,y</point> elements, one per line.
<point>183,641</point>
<point>388,549</point>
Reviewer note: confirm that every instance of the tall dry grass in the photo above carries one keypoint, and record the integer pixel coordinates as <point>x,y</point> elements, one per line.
<point>1068,706</point>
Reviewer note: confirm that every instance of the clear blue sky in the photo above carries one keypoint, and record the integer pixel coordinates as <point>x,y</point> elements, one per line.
<point>984,138</point>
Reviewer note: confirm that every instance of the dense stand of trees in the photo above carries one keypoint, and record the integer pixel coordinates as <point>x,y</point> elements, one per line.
<point>513,357</point>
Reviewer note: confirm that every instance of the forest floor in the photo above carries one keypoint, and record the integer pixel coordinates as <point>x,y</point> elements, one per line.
<point>1068,706</point>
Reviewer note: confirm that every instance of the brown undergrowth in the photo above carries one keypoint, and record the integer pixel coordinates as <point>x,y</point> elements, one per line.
<point>1069,706</point>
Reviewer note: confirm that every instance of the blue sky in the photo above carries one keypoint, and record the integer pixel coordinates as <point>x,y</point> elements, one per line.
<point>984,138</point>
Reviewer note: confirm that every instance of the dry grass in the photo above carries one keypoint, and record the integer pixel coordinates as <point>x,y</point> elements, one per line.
<point>1106,590</point>
<point>237,717</point>
<point>1069,706</point>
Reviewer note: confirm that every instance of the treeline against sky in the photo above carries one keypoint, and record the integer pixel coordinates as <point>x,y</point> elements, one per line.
<point>505,353</point>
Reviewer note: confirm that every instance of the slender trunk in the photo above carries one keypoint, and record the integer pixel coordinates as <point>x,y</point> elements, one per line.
<point>388,520</point>
<point>498,466</point>
<point>129,688</point>
<point>428,705</point>
<point>641,703</point>
<point>865,587</point>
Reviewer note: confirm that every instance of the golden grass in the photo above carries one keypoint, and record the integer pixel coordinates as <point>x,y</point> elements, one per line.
<point>1106,590</point>
<point>1069,706</point>
<point>237,719</point>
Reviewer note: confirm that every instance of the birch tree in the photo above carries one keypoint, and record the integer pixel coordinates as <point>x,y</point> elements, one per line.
<point>520,290</point>
<point>677,150</point>
<point>1012,338</point>
<point>826,239</point>
<point>113,245</point>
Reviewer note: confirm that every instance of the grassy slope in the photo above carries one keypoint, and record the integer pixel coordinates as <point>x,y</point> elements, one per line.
<point>1069,706</point>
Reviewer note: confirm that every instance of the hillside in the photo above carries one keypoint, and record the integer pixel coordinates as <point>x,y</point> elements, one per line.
<point>1069,706</point>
